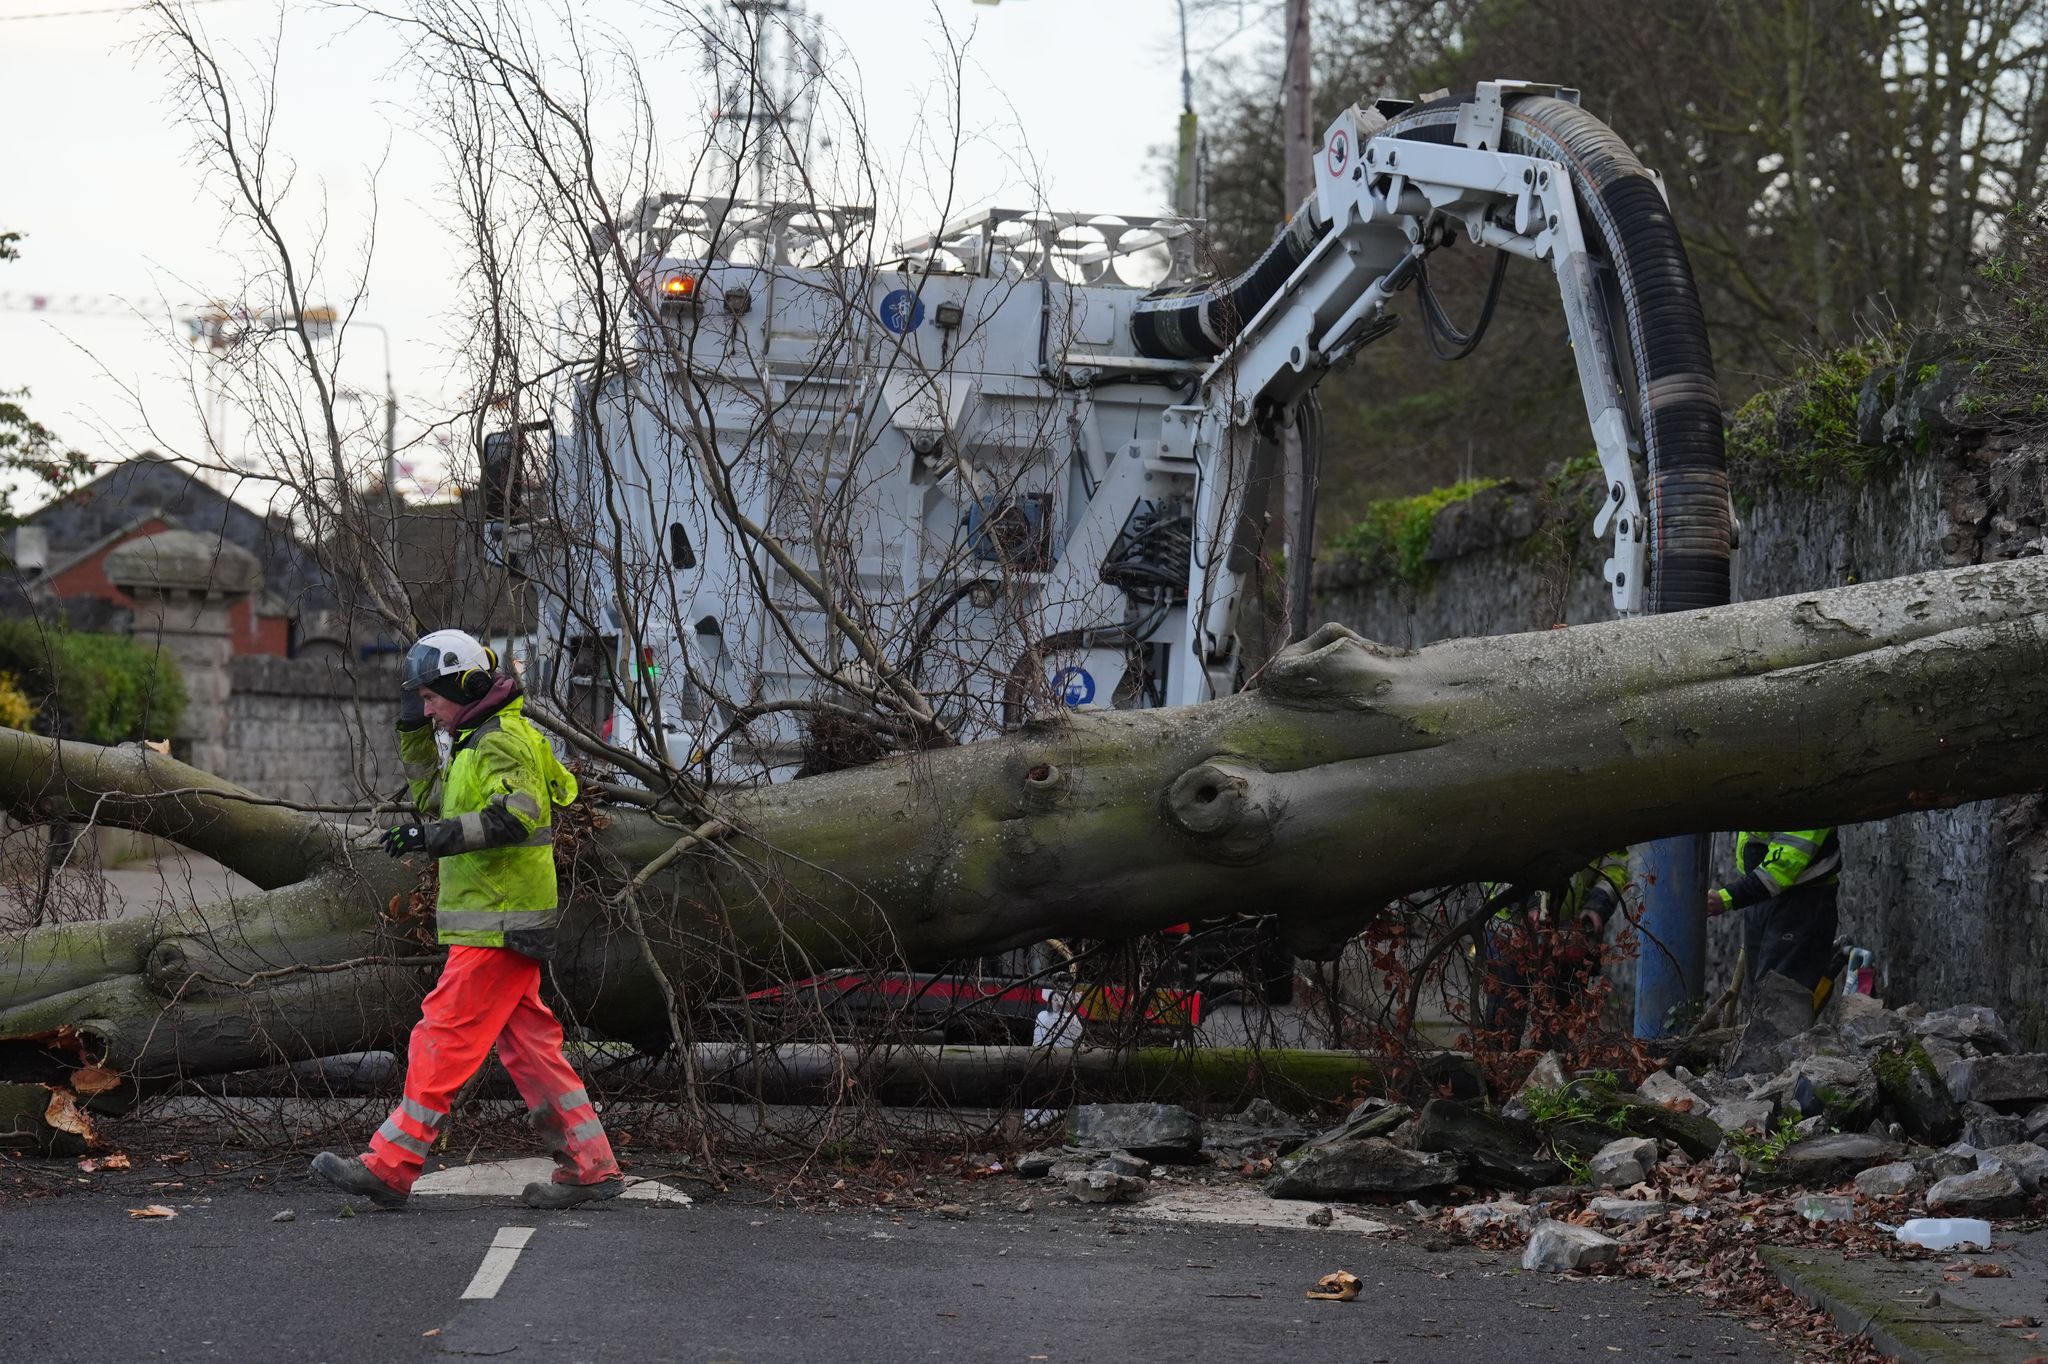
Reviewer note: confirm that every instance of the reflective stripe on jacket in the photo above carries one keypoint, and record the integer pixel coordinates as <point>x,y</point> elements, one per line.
<point>495,838</point>
<point>1774,862</point>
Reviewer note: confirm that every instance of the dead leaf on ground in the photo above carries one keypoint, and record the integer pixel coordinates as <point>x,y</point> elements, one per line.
<point>1341,1286</point>
<point>65,1115</point>
<point>153,1210</point>
<point>1988,1270</point>
<point>2018,1323</point>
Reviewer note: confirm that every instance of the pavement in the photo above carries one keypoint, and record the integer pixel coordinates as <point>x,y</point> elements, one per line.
<point>732,1278</point>
<point>1952,1309</point>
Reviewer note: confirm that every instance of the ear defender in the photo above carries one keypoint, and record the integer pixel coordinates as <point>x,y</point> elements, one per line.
<point>476,682</point>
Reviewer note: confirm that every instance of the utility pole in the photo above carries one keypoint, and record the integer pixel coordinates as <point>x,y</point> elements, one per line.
<point>1187,194</point>
<point>1299,142</point>
<point>1297,109</point>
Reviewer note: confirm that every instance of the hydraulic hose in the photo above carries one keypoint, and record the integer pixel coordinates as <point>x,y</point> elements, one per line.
<point>1678,398</point>
<point>1197,321</point>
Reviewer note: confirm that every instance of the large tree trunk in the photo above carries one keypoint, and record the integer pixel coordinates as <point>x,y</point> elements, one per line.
<point>1353,774</point>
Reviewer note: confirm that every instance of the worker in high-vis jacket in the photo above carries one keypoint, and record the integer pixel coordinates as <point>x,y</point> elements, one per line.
<point>1787,893</point>
<point>495,803</point>
<point>1571,924</point>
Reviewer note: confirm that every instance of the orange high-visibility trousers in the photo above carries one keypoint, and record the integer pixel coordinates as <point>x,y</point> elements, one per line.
<point>490,995</point>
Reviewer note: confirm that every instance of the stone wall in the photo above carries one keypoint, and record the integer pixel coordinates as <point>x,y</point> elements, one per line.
<point>1954,902</point>
<point>317,730</point>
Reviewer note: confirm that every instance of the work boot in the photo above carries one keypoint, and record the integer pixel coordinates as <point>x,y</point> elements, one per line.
<point>555,1195</point>
<point>350,1175</point>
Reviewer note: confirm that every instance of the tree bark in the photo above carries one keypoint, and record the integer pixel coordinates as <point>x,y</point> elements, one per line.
<point>1353,774</point>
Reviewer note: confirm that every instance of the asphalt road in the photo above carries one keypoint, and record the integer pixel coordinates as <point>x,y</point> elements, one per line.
<point>82,1281</point>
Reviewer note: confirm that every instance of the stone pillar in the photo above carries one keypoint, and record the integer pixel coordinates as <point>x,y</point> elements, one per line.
<point>184,585</point>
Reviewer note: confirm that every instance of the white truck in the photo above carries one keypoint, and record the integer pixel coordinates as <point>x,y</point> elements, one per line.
<point>1022,463</point>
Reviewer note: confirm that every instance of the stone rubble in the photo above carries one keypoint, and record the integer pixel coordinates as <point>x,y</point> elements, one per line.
<point>1555,1247</point>
<point>1153,1131</point>
<point>1623,1162</point>
<point>1802,1106</point>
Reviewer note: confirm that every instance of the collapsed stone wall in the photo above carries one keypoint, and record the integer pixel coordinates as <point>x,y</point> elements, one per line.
<point>317,730</point>
<point>1954,902</point>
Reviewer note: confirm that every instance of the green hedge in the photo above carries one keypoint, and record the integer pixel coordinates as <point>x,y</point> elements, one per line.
<point>102,688</point>
<point>1393,535</point>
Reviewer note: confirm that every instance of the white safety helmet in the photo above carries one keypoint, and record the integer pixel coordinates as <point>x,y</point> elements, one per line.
<point>450,663</point>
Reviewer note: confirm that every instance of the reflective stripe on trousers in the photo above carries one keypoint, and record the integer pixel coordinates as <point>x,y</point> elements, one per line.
<point>486,995</point>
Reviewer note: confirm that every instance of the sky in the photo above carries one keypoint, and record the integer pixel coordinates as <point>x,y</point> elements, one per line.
<point>1072,95</point>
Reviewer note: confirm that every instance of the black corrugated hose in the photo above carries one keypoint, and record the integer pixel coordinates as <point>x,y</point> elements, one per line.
<point>1678,397</point>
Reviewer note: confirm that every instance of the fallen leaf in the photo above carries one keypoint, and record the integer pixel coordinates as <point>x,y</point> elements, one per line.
<point>65,1115</point>
<point>153,1210</point>
<point>117,1161</point>
<point>1989,1271</point>
<point>435,1332</point>
<point>1340,1286</point>
<point>93,1080</point>
<point>174,1157</point>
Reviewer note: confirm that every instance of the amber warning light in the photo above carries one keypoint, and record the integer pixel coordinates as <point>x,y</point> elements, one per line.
<point>679,288</point>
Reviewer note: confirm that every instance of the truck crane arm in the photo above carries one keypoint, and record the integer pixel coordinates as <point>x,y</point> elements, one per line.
<point>1515,167</point>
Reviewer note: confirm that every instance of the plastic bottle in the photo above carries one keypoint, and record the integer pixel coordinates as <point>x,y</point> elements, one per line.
<point>1946,1233</point>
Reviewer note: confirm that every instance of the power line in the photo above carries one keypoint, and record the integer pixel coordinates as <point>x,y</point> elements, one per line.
<point>84,13</point>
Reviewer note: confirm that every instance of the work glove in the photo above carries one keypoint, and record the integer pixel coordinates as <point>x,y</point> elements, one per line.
<point>400,839</point>
<point>412,708</point>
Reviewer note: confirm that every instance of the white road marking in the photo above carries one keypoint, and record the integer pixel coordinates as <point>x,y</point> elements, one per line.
<point>498,1262</point>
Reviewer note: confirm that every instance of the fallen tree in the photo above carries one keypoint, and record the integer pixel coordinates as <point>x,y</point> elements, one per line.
<point>1350,775</point>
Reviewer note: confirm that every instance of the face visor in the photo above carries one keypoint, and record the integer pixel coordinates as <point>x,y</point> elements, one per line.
<point>422,665</point>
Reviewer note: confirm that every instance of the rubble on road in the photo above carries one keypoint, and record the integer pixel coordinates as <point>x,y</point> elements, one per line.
<point>1355,1169</point>
<point>1819,1133</point>
<point>1988,1191</point>
<point>1555,1247</point>
<point>1153,1131</point>
<point>1104,1186</point>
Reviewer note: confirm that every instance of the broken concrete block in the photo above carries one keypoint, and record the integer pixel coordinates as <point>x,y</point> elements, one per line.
<point>1104,1186</point>
<point>1826,1159</point>
<point>1123,1163</point>
<point>1993,1192</point>
<point>1865,1021</point>
<point>1846,1087</point>
<point>2028,1162</point>
<point>1350,1169</point>
<point>1503,1212</point>
<point>1371,1118</point>
<point>1912,1085</point>
<point>2000,1079</point>
<point>1780,1009</point>
<point>1631,1212</point>
<point>1037,1164</point>
<point>1493,1150</point>
<point>1622,1162</point>
<point>1889,1181</point>
<point>1668,1092</point>
<point>2037,1123</point>
<point>1743,1115</point>
<point>1991,1130</point>
<point>1555,1247</point>
<point>1155,1131</point>
<point>1965,1025</point>
<point>1958,1159</point>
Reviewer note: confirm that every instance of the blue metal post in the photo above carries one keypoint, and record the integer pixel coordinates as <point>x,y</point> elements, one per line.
<point>1671,968</point>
